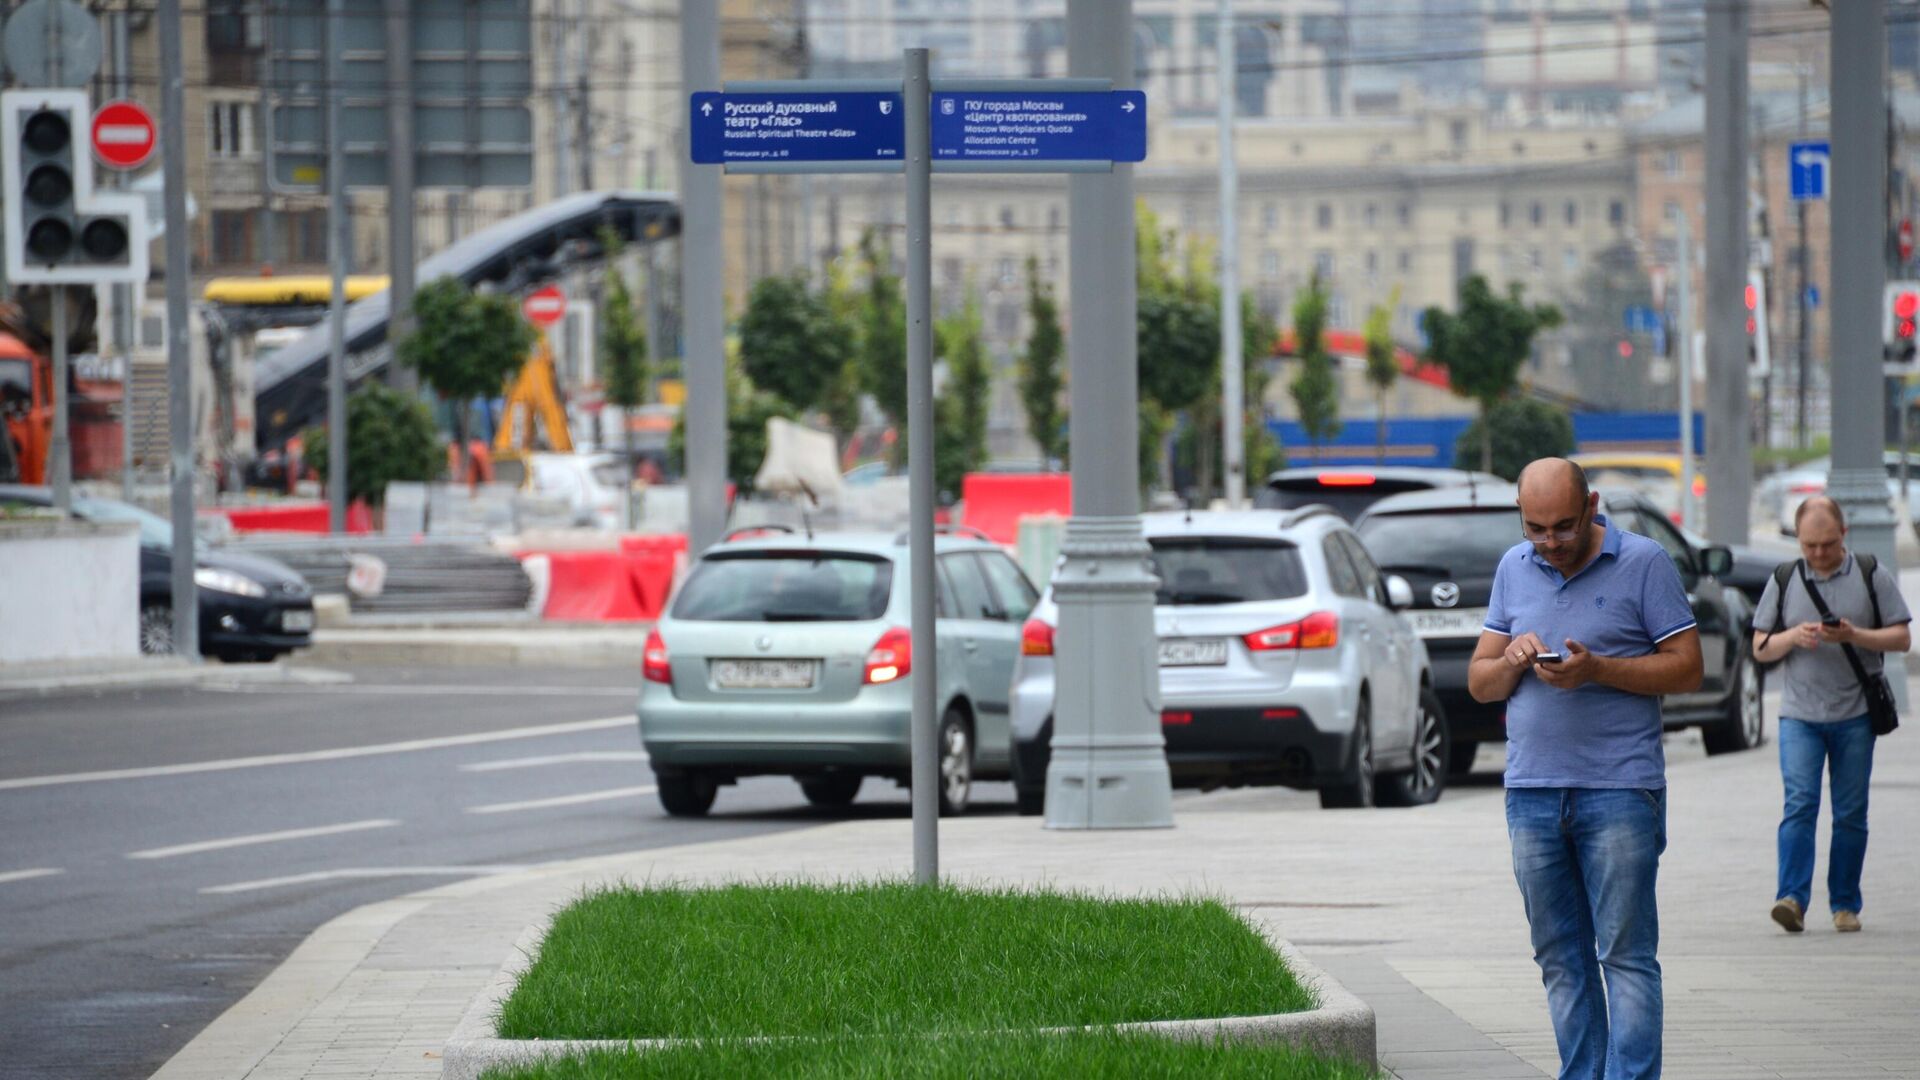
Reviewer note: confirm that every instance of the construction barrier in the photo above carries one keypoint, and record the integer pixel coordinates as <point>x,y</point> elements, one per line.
<point>631,584</point>
<point>293,518</point>
<point>995,502</point>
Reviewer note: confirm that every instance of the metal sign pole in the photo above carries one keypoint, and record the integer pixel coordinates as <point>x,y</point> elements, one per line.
<point>1233,394</point>
<point>926,766</point>
<point>336,295</point>
<point>702,283</point>
<point>60,465</point>
<point>1689,506</point>
<point>186,601</point>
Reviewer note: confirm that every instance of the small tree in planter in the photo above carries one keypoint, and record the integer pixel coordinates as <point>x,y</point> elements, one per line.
<point>1483,346</point>
<point>466,345</point>
<point>390,437</point>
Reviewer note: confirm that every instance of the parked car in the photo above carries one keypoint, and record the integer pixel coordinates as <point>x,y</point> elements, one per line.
<point>1350,490</point>
<point>1283,660</point>
<point>792,655</point>
<point>593,485</point>
<point>251,607</point>
<point>1783,492</point>
<point>1447,545</point>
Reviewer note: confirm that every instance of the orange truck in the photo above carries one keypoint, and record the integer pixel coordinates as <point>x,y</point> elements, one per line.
<point>26,419</point>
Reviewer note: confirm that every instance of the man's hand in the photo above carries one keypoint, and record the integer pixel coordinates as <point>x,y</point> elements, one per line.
<point>1842,631</point>
<point>1521,651</point>
<point>1577,670</point>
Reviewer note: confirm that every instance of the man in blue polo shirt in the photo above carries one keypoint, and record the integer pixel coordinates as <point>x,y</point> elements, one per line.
<point>1588,625</point>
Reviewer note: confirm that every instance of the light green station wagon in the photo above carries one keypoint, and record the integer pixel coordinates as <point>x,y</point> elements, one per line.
<point>791,656</point>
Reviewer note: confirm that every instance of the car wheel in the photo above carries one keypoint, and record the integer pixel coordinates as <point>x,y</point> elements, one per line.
<point>835,790</point>
<point>1746,721</point>
<point>156,629</point>
<point>1460,757</point>
<point>956,763</point>
<point>1432,755</point>
<point>686,794</point>
<point>1355,790</point>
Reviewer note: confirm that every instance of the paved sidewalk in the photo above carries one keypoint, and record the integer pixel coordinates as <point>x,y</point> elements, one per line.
<point>1414,910</point>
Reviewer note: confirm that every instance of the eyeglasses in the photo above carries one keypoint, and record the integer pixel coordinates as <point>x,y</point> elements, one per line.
<point>1541,536</point>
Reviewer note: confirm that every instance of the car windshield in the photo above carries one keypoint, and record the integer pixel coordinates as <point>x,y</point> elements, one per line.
<point>1226,570</point>
<point>786,586</point>
<point>1444,543</point>
<point>155,531</point>
<point>1347,494</point>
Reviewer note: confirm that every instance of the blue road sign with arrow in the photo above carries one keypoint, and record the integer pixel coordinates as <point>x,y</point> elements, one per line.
<point>751,127</point>
<point>1807,165</point>
<point>1025,125</point>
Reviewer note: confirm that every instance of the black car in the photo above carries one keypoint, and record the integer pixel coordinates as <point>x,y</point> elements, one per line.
<point>1350,490</point>
<point>251,608</point>
<point>1446,543</point>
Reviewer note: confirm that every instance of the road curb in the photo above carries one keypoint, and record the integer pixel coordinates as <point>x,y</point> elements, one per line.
<point>164,674</point>
<point>1343,1026</point>
<point>557,648</point>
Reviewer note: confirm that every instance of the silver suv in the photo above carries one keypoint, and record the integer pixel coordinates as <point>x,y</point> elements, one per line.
<point>792,656</point>
<point>1283,660</point>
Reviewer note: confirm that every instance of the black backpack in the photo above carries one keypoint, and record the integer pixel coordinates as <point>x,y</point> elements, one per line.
<point>1784,573</point>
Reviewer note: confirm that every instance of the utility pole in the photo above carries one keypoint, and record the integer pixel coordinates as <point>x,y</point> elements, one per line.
<point>924,737</point>
<point>583,95</point>
<point>701,285</point>
<point>1689,506</point>
<point>562,118</point>
<point>337,241</point>
<point>1108,767</point>
<point>122,295</point>
<point>1859,200</point>
<point>1801,306</point>
<point>1729,400</point>
<point>173,111</point>
<point>400,227</point>
<point>1233,396</point>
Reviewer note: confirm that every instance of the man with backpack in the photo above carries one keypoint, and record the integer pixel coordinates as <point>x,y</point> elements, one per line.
<point>1831,616</point>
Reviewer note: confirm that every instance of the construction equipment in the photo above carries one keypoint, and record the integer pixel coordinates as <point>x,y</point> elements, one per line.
<point>533,399</point>
<point>26,405</point>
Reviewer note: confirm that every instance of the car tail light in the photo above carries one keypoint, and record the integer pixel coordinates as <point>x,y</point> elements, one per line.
<point>653,659</point>
<point>1346,479</point>
<point>1036,638</point>
<point>1320,630</point>
<point>1699,486</point>
<point>891,658</point>
<point>1810,488</point>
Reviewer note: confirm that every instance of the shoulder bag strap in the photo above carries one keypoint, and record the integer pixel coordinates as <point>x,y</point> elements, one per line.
<point>1781,575</point>
<point>1853,658</point>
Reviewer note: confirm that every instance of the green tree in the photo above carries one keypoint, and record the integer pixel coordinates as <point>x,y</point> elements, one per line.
<point>390,436</point>
<point>883,334</point>
<point>1484,344</point>
<point>1177,337</point>
<point>960,431</point>
<point>466,345</point>
<point>1263,454</point>
<point>748,410</point>
<point>1519,430</point>
<point>623,346</point>
<point>791,345</point>
<point>845,300</point>
<point>1316,392</point>
<point>1383,367</point>
<point>1040,369</point>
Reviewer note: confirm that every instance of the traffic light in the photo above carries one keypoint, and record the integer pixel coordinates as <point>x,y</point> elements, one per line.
<point>1759,349</point>
<point>58,231</point>
<point>1897,335</point>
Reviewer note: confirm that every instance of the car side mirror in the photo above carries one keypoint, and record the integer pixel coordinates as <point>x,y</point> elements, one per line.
<point>1717,561</point>
<point>1399,593</point>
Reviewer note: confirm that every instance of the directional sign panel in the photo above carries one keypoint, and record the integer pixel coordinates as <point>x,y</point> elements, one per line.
<point>974,125</point>
<point>750,127</point>
<point>1807,165</point>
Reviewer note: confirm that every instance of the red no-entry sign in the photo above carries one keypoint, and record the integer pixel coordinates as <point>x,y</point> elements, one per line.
<point>124,135</point>
<point>545,306</point>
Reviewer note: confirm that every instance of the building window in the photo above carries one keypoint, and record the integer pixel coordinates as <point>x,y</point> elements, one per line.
<point>230,129</point>
<point>1270,264</point>
<point>1457,131</point>
<point>1570,261</point>
<point>1404,212</point>
<point>1323,264</point>
<point>1536,214</point>
<point>1670,163</point>
<point>232,237</point>
<point>950,272</point>
<point>305,234</point>
<point>1270,217</point>
<point>1573,213</point>
<point>1007,322</point>
<point>1462,259</point>
<point>1617,212</point>
<point>1671,211</point>
<point>1372,215</point>
<point>1053,219</point>
<point>1006,217</point>
<point>1373,263</point>
<point>1406,261</point>
<point>1323,215</point>
<point>1506,215</point>
<point>1533,259</point>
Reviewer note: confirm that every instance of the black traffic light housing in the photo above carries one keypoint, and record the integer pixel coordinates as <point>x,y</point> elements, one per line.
<point>57,229</point>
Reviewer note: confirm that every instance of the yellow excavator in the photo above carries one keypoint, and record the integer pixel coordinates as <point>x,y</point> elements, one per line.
<point>533,400</point>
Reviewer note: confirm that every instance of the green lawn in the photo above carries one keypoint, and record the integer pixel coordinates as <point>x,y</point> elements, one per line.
<point>957,1058</point>
<point>804,960</point>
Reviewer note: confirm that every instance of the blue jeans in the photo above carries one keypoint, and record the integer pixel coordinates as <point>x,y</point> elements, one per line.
<point>1846,749</point>
<point>1586,860</point>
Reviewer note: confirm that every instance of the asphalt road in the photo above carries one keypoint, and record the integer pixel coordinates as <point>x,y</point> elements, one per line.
<point>165,850</point>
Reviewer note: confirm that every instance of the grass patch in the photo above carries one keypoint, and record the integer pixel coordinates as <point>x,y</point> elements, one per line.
<point>809,960</point>
<point>968,1057</point>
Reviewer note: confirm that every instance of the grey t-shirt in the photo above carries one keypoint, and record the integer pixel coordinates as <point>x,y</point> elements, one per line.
<point>1820,686</point>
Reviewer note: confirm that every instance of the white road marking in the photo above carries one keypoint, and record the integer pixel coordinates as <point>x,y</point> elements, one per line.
<point>28,875</point>
<point>583,757</point>
<point>563,800</point>
<point>359,872</point>
<point>374,690</point>
<point>308,757</point>
<point>261,838</point>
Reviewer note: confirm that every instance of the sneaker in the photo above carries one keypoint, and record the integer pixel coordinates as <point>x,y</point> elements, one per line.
<point>1788,913</point>
<point>1846,922</point>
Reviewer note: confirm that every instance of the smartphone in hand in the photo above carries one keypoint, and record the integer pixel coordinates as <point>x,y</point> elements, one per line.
<point>1547,658</point>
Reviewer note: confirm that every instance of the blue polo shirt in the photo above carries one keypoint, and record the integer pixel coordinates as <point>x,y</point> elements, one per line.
<point>1623,603</point>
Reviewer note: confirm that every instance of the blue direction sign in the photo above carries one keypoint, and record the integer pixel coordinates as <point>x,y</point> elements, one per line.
<point>1640,319</point>
<point>1004,126</point>
<point>736,128</point>
<point>1807,165</point>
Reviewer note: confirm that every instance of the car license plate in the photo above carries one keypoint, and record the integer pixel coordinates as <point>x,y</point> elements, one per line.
<point>1439,623</point>
<point>1192,652</point>
<point>296,621</point>
<point>763,674</point>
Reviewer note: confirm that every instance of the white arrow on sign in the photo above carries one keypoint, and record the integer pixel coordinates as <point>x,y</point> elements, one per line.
<point>1816,160</point>
<point>1127,105</point>
<point>706,108</point>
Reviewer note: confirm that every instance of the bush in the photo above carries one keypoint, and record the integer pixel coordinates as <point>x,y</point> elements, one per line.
<point>390,436</point>
<point>1523,430</point>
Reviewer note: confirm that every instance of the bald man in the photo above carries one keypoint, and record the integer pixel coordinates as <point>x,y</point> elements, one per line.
<point>1824,726</point>
<point>1587,626</point>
